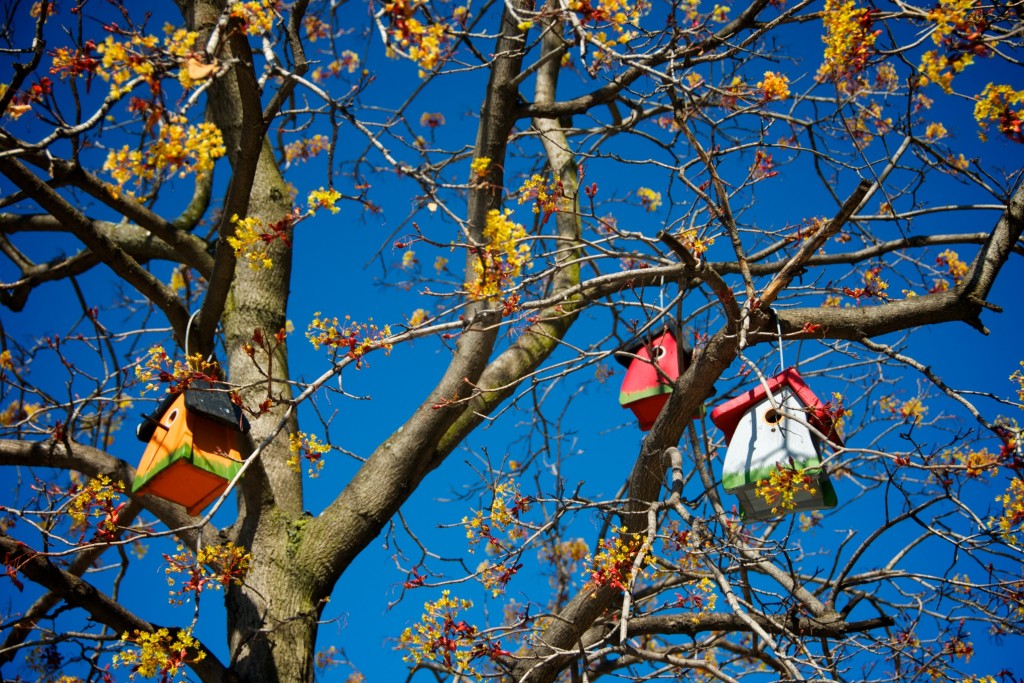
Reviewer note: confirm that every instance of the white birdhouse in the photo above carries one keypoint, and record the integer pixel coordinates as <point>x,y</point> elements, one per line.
<point>763,437</point>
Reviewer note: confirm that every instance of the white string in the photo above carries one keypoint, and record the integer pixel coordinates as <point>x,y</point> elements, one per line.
<point>782,360</point>
<point>188,328</point>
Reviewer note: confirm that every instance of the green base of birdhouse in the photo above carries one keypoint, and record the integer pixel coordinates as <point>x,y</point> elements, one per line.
<point>187,477</point>
<point>754,507</point>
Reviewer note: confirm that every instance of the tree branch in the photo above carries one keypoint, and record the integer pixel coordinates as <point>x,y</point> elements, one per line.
<point>607,93</point>
<point>93,462</point>
<point>190,249</point>
<point>133,240</point>
<point>249,146</point>
<point>20,629</point>
<point>119,261</point>
<point>399,464</point>
<point>531,348</point>
<point>82,594</point>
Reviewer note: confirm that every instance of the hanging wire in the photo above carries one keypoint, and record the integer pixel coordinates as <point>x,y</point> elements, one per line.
<point>188,329</point>
<point>781,358</point>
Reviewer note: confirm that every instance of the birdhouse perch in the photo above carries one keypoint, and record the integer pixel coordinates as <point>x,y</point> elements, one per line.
<point>763,438</point>
<point>192,451</point>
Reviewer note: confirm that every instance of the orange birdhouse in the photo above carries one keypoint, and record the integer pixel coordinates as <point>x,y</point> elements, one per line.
<point>652,365</point>
<point>193,447</point>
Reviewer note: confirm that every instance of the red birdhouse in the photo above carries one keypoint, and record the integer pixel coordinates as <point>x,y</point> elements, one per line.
<point>651,366</point>
<point>192,450</point>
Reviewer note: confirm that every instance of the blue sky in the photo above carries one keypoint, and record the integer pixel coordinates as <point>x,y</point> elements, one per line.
<point>339,273</point>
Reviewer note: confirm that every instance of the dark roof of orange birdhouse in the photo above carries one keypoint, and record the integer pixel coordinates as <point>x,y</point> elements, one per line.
<point>727,416</point>
<point>202,398</point>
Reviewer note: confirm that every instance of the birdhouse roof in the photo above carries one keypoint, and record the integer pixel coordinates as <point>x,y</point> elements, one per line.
<point>625,353</point>
<point>727,416</point>
<point>201,400</point>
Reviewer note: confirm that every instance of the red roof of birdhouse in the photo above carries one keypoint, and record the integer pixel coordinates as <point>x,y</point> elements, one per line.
<point>727,416</point>
<point>646,375</point>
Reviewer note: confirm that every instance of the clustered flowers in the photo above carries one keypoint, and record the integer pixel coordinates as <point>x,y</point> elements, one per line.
<point>252,237</point>
<point>410,37</point>
<point>306,148</point>
<point>774,86</point>
<point>158,367</point>
<point>303,446</point>
<point>1011,522</point>
<point>507,505</point>
<point>177,148</point>
<point>214,566</point>
<point>355,340</point>
<point>959,31</point>
<point>1003,106</point>
<point>911,410</point>
<point>849,41</point>
<point>158,653</point>
<point>97,500</point>
<point>780,488</point>
<point>613,564</point>
<point>545,195</point>
<point>649,199</point>
<point>441,637</point>
<point>502,258</point>
<point>257,16</point>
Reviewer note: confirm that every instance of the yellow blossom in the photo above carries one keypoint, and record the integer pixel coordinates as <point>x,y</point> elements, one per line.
<point>502,259</point>
<point>849,41</point>
<point>692,240</point>
<point>480,167</point>
<point>939,69</point>
<point>176,149</point>
<point>956,268</point>
<point>616,564</point>
<point>441,638</point>
<point>158,653</point>
<point>775,86</point>
<point>306,446</point>
<point>354,339</point>
<point>546,195</point>
<point>324,199</point>
<point>248,242</point>
<point>1018,377</point>
<point>1000,104</point>
<point>431,119</point>
<point>307,148</point>
<point>257,16</point>
<point>935,131</point>
<point>18,412</point>
<point>886,77</point>
<point>780,488</point>
<point>418,317</point>
<point>649,199</point>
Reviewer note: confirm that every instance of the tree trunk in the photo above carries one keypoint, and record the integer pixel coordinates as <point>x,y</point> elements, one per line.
<point>272,619</point>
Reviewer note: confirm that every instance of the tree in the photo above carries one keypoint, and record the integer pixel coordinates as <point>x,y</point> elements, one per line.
<point>747,175</point>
